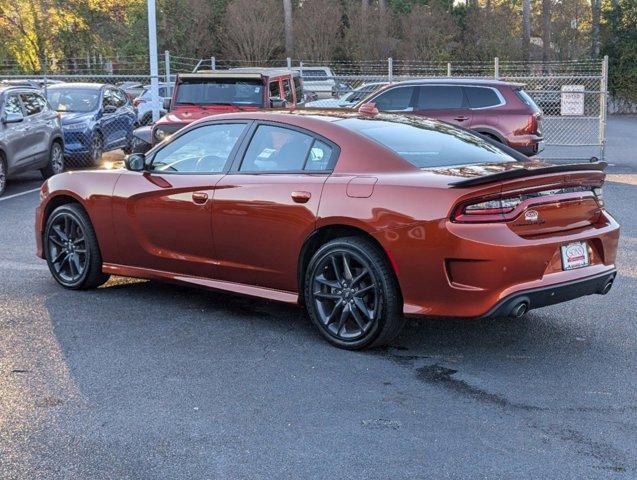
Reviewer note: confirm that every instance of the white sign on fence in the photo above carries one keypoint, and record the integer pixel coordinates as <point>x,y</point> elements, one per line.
<point>572,102</point>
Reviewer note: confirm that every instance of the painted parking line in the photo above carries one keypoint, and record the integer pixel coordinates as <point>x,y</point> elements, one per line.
<point>2,199</point>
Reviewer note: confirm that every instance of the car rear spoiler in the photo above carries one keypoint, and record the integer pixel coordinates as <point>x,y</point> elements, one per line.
<point>524,172</point>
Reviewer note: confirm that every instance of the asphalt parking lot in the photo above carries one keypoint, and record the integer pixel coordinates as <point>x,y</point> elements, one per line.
<point>139,380</point>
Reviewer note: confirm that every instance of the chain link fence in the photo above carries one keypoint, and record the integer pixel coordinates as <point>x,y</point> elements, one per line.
<point>571,94</point>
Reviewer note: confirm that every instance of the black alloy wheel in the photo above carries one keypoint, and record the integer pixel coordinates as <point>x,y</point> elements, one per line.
<point>71,249</point>
<point>3,174</point>
<point>352,295</point>
<point>97,149</point>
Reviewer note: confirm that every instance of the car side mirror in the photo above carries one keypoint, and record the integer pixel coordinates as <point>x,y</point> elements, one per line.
<point>110,109</point>
<point>276,102</point>
<point>12,118</point>
<point>167,103</point>
<point>135,162</point>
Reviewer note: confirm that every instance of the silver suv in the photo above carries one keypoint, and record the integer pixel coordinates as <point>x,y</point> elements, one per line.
<point>30,134</point>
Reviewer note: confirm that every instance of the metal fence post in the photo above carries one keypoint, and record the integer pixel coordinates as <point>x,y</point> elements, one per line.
<point>301,69</point>
<point>448,69</point>
<point>496,68</point>
<point>213,63</point>
<point>167,66</point>
<point>390,70</point>
<point>603,100</point>
<point>289,63</point>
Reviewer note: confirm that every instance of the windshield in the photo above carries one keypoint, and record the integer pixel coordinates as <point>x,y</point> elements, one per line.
<point>220,91</point>
<point>360,93</point>
<point>427,143</point>
<point>73,99</point>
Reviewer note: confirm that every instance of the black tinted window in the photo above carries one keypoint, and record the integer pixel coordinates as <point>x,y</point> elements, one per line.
<point>33,103</point>
<point>433,97</point>
<point>275,149</point>
<point>427,143</point>
<point>275,90</point>
<point>287,91</point>
<point>482,97</point>
<point>395,99</point>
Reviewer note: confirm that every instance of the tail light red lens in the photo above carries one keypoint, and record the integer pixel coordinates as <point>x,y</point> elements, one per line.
<point>486,211</point>
<point>137,101</point>
<point>532,126</point>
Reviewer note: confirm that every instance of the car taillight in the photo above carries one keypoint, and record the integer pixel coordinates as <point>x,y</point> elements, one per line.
<point>137,101</point>
<point>486,211</point>
<point>531,127</point>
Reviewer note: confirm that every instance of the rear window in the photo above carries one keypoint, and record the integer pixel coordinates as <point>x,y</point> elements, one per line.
<point>526,98</point>
<point>426,143</point>
<point>480,97</point>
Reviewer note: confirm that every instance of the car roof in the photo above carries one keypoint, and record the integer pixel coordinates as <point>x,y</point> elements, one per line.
<point>490,82</point>
<point>4,87</point>
<point>82,85</point>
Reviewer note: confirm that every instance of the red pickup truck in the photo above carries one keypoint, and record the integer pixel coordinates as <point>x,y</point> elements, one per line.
<point>212,92</point>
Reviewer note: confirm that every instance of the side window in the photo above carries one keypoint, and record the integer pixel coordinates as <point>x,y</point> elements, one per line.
<point>32,102</point>
<point>395,99</point>
<point>319,157</point>
<point>275,91</point>
<point>276,149</point>
<point>480,97</point>
<point>203,150</point>
<point>298,90</point>
<point>12,105</point>
<point>435,97</point>
<point>287,91</point>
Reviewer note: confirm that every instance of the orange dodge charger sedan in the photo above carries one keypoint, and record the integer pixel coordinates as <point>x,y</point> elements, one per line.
<point>361,217</point>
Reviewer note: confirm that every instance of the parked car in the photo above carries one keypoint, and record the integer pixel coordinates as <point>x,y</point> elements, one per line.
<point>38,83</point>
<point>349,99</point>
<point>96,118</point>
<point>497,109</point>
<point>319,80</point>
<point>30,134</point>
<point>143,103</point>
<point>132,89</point>
<point>362,218</point>
<point>204,93</point>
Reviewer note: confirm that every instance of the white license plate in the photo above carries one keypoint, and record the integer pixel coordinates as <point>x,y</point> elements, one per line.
<point>575,255</point>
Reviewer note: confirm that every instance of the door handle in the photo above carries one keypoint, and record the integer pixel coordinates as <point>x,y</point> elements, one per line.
<point>301,197</point>
<point>200,197</point>
<point>461,118</point>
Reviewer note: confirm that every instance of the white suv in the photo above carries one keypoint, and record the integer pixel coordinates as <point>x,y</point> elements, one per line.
<point>144,105</point>
<point>319,80</point>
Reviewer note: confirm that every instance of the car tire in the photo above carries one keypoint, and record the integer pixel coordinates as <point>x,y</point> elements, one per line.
<point>139,146</point>
<point>3,174</point>
<point>56,161</point>
<point>71,249</point>
<point>94,158</point>
<point>128,149</point>
<point>350,278</point>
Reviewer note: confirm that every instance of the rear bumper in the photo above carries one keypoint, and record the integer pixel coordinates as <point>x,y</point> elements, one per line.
<point>552,294</point>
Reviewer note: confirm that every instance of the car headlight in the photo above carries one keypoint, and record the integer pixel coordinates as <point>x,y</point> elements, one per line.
<point>160,134</point>
<point>75,126</point>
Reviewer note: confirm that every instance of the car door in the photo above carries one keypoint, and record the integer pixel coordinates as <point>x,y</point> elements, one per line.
<point>162,216</point>
<point>266,206</point>
<point>15,134</point>
<point>40,120</point>
<point>443,102</point>
<point>126,117</point>
<point>274,91</point>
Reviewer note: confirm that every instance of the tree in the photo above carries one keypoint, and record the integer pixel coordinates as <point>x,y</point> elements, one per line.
<point>526,29</point>
<point>251,31</point>
<point>370,33</point>
<point>289,32</point>
<point>429,32</point>
<point>546,30</point>
<point>596,6</point>
<point>318,29</point>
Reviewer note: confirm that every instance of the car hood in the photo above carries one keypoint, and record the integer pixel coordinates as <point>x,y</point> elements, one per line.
<point>75,117</point>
